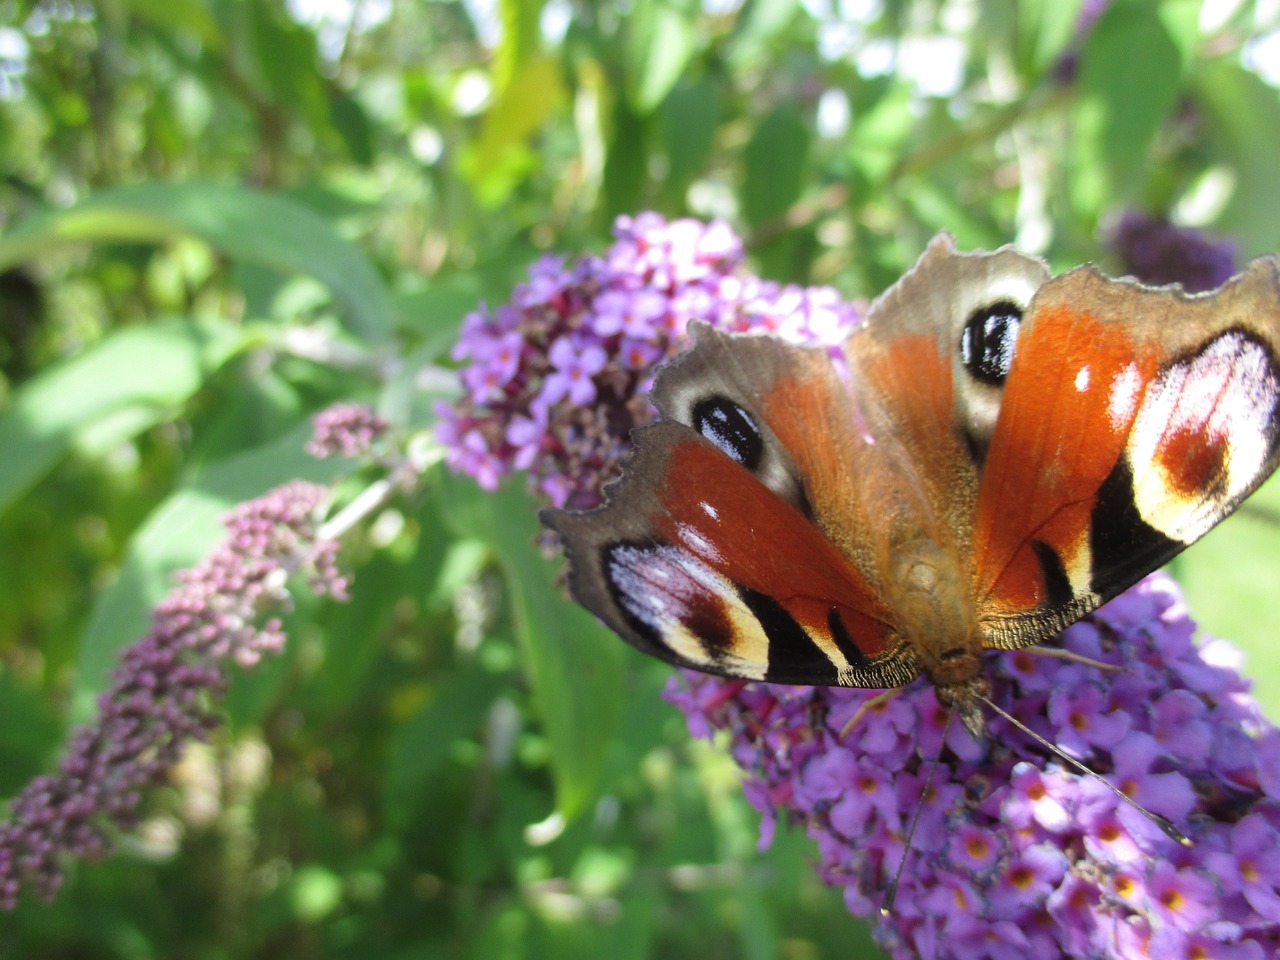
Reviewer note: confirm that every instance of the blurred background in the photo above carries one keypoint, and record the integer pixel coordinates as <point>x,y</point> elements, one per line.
<point>217,218</point>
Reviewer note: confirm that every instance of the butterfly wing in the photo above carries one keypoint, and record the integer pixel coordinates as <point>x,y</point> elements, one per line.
<point>1132,421</point>
<point>707,552</point>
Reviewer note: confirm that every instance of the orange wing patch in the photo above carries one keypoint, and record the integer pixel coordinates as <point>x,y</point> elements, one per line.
<point>1072,375</point>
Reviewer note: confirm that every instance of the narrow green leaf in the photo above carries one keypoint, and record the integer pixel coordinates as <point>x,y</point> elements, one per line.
<point>775,161</point>
<point>521,37</point>
<point>502,155</point>
<point>1243,119</point>
<point>1047,28</point>
<point>626,165</point>
<point>573,663</point>
<point>688,121</point>
<point>139,374</point>
<point>243,224</point>
<point>663,41</point>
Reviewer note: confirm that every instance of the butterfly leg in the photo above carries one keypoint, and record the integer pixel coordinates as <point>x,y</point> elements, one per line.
<point>875,703</point>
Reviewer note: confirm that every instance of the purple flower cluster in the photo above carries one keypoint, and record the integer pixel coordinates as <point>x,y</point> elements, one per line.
<point>1157,252</point>
<point>1016,854</point>
<point>163,693</point>
<point>556,379</point>
<point>345,430</point>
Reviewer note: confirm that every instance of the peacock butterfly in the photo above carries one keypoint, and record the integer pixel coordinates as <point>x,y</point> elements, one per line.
<point>993,454</point>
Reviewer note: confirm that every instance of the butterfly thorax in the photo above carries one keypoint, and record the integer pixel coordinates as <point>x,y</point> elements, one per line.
<point>935,614</point>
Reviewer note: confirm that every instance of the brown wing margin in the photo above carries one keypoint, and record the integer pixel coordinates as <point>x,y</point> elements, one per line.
<point>1134,419</point>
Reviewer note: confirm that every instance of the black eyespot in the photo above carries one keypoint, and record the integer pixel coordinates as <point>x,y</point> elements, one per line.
<point>731,429</point>
<point>986,344</point>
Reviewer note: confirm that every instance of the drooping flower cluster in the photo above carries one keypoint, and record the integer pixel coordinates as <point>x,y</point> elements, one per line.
<point>1016,854</point>
<point>1158,252</point>
<point>556,379</point>
<point>163,693</point>
<point>345,430</point>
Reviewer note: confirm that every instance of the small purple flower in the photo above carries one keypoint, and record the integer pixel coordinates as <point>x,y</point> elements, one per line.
<point>1027,876</point>
<point>638,314</point>
<point>1184,899</point>
<point>165,690</point>
<point>1157,252</point>
<point>1083,719</point>
<point>573,366</point>
<point>1252,865</point>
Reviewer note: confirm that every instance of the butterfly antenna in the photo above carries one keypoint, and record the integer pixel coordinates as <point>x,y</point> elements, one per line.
<point>1169,829</point>
<point>891,891</point>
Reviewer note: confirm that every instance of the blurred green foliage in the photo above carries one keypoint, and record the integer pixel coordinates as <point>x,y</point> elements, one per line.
<point>217,218</point>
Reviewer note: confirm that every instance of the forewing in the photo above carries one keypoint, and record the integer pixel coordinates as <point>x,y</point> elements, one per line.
<point>1133,420</point>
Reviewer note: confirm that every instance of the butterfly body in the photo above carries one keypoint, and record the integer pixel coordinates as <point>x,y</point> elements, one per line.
<point>992,455</point>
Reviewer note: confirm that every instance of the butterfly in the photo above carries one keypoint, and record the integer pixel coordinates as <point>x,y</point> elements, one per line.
<point>992,454</point>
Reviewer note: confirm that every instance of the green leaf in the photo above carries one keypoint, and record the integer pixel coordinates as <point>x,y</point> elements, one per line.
<point>880,129</point>
<point>626,167</point>
<point>181,16</point>
<point>775,161</point>
<point>243,224</point>
<point>1129,80</point>
<point>1047,28</point>
<point>138,374</point>
<point>760,30</point>
<point>662,42</point>
<point>425,742</point>
<point>179,532</point>
<point>284,56</point>
<point>501,156</point>
<point>521,36</point>
<point>573,663</point>
<point>1243,117</point>
<point>688,121</point>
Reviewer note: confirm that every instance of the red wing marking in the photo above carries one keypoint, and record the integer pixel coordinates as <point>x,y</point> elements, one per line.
<point>718,512</point>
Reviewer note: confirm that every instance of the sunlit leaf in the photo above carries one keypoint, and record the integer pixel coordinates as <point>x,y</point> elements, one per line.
<point>241,223</point>
<point>142,373</point>
<point>502,153</point>
<point>1129,79</point>
<point>1243,118</point>
<point>663,40</point>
